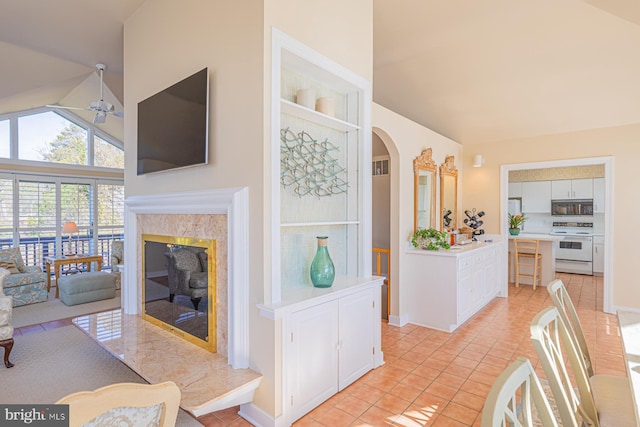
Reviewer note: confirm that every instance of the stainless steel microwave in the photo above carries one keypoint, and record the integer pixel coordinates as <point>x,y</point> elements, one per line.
<point>572,207</point>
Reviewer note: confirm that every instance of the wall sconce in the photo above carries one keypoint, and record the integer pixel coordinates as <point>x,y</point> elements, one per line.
<point>478,161</point>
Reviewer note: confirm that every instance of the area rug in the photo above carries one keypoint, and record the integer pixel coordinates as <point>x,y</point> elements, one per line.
<point>52,364</point>
<point>54,309</point>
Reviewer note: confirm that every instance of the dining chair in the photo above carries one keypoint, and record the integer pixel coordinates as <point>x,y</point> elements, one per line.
<point>125,404</point>
<point>517,398</point>
<point>562,301</point>
<point>528,256</point>
<point>592,403</point>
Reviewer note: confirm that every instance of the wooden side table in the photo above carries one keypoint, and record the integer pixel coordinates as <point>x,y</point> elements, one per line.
<point>75,259</point>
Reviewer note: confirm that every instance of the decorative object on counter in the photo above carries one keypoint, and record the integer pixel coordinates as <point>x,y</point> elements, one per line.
<point>306,98</point>
<point>430,239</point>
<point>474,222</point>
<point>322,270</point>
<point>308,167</point>
<point>446,218</point>
<point>515,222</point>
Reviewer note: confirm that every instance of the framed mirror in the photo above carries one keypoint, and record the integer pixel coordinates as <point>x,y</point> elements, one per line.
<point>424,191</point>
<point>448,194</point>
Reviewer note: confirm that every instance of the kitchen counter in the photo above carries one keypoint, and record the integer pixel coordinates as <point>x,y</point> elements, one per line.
<point>448,286</point>
<point>548,251</point>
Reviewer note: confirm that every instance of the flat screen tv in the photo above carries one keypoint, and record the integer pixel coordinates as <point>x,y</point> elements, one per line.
<point>173,126</point>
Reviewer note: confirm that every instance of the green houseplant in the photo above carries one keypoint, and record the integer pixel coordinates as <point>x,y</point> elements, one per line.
<point>431,239</point>
<point>515,221</point>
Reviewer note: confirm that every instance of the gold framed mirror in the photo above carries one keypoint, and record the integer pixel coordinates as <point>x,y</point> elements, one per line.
<point>448,194</point>
<point>424,191</point>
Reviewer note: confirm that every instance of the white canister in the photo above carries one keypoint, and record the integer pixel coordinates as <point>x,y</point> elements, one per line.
<point>306,98</point>
<point>326,105</point>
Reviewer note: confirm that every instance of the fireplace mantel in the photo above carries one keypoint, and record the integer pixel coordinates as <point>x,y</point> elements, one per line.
<point>230,201</point>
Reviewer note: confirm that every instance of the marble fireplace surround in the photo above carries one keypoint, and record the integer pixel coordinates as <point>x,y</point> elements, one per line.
<point>197,214</point>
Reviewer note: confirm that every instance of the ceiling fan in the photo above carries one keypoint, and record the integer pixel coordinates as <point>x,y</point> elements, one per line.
<point>101,107</point>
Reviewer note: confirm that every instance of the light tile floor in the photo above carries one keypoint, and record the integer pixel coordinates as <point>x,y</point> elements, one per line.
<point>433,378</point>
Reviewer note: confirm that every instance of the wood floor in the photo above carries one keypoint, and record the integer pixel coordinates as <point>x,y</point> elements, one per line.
<point>433,378</point>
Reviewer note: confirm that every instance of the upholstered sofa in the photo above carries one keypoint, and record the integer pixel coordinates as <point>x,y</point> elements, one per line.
<point>27,284</point>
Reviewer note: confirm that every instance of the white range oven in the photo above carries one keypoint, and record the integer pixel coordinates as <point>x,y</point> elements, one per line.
<point>574,254</point>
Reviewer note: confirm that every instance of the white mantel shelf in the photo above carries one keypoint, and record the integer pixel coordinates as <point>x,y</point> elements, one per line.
<point>308,296</point>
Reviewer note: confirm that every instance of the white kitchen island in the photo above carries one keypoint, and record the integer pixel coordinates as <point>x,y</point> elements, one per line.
<point>447,287</point>
<point>548,251</point>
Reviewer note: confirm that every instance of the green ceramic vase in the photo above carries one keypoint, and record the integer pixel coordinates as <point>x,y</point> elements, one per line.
<point>514,231</point>
<point>322,271</point>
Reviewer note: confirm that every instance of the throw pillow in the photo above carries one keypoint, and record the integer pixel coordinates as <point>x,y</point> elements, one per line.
<point>9,265</point>
<point>13,255</point>
<point>148,416</point>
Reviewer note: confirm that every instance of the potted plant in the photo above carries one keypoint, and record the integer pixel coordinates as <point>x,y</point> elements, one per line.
<point>430,239</point>
<point>515,221</point>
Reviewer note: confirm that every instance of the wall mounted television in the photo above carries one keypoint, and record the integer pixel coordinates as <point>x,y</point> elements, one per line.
<point>173,126</point>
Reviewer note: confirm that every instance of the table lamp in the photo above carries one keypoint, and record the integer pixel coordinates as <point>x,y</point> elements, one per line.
<point>70,227</point>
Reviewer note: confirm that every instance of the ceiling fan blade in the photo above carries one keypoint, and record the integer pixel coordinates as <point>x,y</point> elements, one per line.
<point>63,107</point>
<point>118,113</point>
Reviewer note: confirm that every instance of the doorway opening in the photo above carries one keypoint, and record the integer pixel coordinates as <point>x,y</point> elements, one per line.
<point>607,220</point>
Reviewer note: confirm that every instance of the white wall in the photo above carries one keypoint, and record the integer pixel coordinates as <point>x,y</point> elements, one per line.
<point>482,186</point>
<point>405,140</point>
<point>166,41</point>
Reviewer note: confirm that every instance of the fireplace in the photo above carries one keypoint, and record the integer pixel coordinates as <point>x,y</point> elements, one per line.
<point>220,215</point>
<point>178,286</point>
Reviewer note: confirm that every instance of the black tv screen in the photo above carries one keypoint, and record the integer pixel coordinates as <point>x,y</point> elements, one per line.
<point>173,126</point>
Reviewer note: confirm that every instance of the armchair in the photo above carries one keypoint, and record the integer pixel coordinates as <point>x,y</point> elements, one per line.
<point>188,274</point>
<point>117,255</point>
<point>6,329</point>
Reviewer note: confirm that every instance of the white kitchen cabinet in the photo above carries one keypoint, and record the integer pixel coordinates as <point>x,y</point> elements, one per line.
<point>536,197</point>
<point>515,189</point>
<point>598,195</point>
<point>598,255</point>
<point>572,189</point>
<point>450,286</point>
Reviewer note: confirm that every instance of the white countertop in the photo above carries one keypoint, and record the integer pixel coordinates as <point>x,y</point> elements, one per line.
<point>537,236</point>
<point>630,332</point>
<point>455,250</point>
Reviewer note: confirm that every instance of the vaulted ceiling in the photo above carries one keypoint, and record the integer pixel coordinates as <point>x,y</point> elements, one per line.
<point>474,71</point>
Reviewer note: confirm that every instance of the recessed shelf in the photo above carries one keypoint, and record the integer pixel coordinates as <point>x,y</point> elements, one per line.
<point>288,107</point>
<point>316,224</point>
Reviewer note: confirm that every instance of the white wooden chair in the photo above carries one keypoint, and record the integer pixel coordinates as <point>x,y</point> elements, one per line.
<point>528,256</point>
<point>517,399</point>
<point>135,402</point>
<point>592,404</point>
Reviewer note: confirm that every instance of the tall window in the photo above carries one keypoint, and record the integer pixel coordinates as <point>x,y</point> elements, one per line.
<point>5,140</point>
<point>36,218</point>
<point>34,209</point>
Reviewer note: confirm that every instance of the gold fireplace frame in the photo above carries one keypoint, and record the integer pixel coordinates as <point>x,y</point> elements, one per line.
<point>210,343</point>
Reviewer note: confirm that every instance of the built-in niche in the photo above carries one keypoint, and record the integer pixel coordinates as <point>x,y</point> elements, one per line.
<point>178,289</point>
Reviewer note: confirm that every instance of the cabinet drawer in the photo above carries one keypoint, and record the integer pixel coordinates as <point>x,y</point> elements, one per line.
<point>465,263</point>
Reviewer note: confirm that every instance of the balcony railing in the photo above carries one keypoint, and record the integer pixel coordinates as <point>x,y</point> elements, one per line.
<point>35,249</point>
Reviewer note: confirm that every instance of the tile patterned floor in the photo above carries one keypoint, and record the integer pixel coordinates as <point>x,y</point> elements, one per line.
<point>433,378</point>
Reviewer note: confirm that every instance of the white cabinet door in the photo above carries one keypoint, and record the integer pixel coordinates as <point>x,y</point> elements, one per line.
<point>572,189</point>
<point>536,197</point>
<point>598,195</point>
<point>356,348</point>
<point>561,189</point>
<point>515,189</point>
<point>314,356</point>
<point>582,188</point>
<point>465,285</point>
<point>598,254</point>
